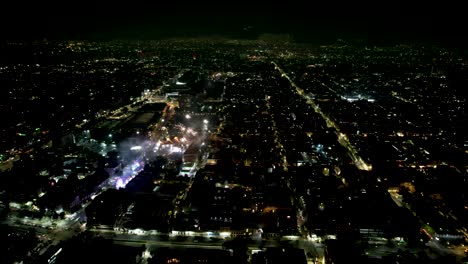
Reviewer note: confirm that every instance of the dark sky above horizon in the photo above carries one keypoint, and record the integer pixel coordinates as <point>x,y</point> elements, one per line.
<point>304,20</point>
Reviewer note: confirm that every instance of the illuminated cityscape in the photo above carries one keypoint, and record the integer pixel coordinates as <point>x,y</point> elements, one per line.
<point>265,149</point>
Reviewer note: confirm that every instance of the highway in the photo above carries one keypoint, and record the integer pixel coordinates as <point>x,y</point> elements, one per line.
<point>158,243</point>
<point>314,249</point>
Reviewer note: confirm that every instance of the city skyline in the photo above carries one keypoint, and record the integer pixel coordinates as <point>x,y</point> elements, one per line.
<point>235,151</point>
<point>239,133</point>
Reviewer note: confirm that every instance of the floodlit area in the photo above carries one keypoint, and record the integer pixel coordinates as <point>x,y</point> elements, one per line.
<point>128,173</point>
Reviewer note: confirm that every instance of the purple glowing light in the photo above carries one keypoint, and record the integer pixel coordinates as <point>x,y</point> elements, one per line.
<point>120,183</point>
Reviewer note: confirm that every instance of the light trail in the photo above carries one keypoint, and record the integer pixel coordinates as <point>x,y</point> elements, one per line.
<point>342,138</point>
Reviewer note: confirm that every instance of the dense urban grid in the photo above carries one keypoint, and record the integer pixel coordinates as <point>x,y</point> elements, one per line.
<point>232,151</point>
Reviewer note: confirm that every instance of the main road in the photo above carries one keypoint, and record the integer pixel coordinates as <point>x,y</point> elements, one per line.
<point>311,248</point>
<point>342,138</point>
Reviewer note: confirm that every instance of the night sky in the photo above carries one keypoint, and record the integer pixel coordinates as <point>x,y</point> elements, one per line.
<point>304,21</point>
